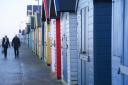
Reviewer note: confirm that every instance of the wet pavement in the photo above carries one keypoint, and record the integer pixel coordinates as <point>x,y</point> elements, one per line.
<point>25,70</point>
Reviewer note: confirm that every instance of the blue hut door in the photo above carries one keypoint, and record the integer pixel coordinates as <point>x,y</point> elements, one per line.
<point>117,41</point>
<point>124,63</point>
<point>43,40</point>
<point>84,53</point>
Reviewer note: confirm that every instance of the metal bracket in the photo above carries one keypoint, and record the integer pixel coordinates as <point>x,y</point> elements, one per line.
<point>123,70</point>
<point>84,57</point>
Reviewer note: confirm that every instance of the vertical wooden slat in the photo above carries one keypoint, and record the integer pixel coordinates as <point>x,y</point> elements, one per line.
<point>58,48</point>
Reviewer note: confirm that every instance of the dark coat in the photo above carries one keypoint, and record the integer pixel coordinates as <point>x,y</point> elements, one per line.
<point>16,42</point>
<point>5,44</point>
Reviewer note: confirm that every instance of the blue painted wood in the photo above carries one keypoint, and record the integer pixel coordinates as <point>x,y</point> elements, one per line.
<point>97,1</point>
<point>102,43</point>
<point>29,10</point>
<point>38,19</point>
<point>48,4</point>
<point>43,41</point>
<point>32,22</point>
<point>65,6</point>
<point>98,70</point>
<point>125,57</point>
<point>27,29</point>
<point>36,8</point>
<point>65,73</point>
<point>57,7</point>
<point>117,41</point>
<point>43,13</point>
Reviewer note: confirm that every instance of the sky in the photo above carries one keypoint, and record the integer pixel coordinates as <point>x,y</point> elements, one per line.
<point>13,16</point>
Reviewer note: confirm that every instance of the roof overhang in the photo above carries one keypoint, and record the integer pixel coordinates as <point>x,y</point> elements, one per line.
<point>67,5</point>
<point>36,8</point>
<point>52,13</point>
<point>43,13</point>
<point>98,1</point>
<point>38,20</point>
<point>29,10</point>
<point>46,8</point>
<point>32,21</point>
<point>57,6</point>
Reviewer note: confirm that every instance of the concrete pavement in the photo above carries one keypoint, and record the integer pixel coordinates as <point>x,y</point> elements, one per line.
<point>27,70</point>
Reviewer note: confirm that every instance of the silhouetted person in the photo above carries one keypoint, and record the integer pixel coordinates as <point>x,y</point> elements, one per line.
<point>16,45</point>
<point>5,45</point>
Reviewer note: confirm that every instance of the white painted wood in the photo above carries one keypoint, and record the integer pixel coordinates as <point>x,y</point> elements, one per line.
<point>84,57</point>
<point>53,51</point>
<point>90,73</point>
<point>69,27</point>
<point>63,45</point>
<point>73,48</point>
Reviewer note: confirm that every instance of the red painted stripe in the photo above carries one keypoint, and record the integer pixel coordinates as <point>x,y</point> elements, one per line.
<point>46,8</point>
<point>58,48</point>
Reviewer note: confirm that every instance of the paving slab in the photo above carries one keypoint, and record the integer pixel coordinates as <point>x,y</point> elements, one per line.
<point>25,70</point>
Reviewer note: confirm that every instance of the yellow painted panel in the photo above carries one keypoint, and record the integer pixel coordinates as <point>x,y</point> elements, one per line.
<point>45,49</point>
<point>40,43</point>
<point>48,47</point>
<point>37,41</point>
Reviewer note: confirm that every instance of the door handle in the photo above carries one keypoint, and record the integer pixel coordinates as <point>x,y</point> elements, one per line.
<point>84,56</point>
<point>67,46</point>
<point>84,52</point>
<point>118,71</point>
<point>54,43</point>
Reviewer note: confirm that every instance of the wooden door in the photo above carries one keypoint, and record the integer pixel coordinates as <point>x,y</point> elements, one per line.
<point>84,47</point>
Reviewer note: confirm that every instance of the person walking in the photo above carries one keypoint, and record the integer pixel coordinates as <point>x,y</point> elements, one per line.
<point>5,45</point>
<point>16,45</point>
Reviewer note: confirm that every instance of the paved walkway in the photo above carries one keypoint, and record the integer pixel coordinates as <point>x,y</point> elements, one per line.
<point>27,70</point>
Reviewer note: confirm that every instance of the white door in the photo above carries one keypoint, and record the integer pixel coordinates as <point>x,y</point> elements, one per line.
<point>64,48</point>
<point>117,40</point>
<point>84,52</point>
<point>53,27</point>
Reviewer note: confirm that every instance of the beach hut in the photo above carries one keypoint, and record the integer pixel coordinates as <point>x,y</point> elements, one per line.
<point>39,34</point>
<point>43,32</point>
<point>32,19</point>
<point>124,59</point>
<point>57,39</point>
<point>27,29</point>
<point>119,42</point>
<point>53,45</point>
<point>63,12</point>
<point>69,43</point>
<point>94,42</point>
<point>36,11</point>
<point>47,38</point>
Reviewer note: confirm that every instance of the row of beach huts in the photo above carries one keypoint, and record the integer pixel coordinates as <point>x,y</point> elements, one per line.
<point>84,42</point>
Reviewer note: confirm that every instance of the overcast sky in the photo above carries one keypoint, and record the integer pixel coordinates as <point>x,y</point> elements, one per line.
<point>12,16</point>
